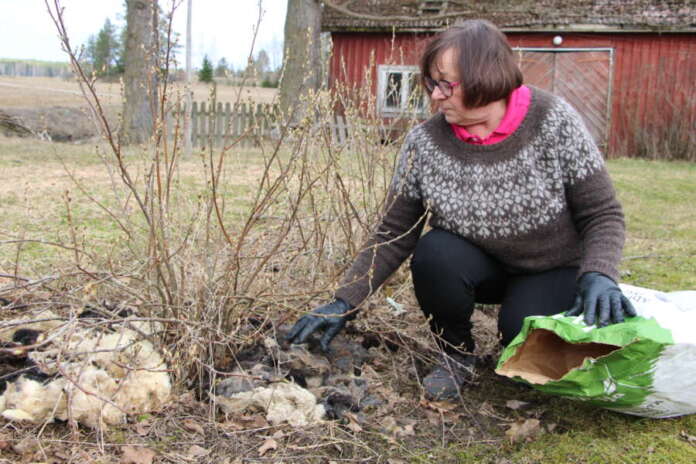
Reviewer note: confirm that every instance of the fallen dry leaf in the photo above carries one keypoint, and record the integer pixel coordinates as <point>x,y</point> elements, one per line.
<point>515,404</point>
<point>247,422</point>
<point>231,426</point>
<point>80,455</point>
<point>4,441</point>
<point>390,396</point>
<point>453,418</point>
<point>395,461</point>
<point>488,410</point>
<point>26,446</point>
<point>354,426</point>
<point>520,430</point>
<point>353,422</point>
<point>439,406</point>
<point>269,444</point>
<point>389,424</point>
<point>137,455</point>
<point>60,455</point>
<point>408,430</point>
<point>193,426</point>
<point>142,428</point>
<point>187,398</point>
<point>196,451</point>
<point>236,460</point>
<point>433,417</point>
<point>255,421</point>
<point>394,428</point>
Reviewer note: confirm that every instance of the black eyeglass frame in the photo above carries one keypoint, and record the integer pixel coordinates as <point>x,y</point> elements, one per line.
<point>446,87</point>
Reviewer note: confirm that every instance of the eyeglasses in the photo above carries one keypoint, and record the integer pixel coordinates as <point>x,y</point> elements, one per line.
<point>446,87</point>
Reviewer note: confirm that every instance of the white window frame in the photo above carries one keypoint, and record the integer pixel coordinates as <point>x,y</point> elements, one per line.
<point>383,71</point>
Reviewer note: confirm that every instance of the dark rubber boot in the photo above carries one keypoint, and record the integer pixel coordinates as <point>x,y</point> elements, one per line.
<point>446,379</point>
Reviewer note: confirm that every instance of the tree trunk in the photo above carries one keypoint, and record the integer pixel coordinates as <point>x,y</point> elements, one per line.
<point>302,57</point>
<point>140,76</point>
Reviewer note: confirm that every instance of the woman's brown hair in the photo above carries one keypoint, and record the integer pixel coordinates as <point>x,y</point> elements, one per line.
<point>487,68</point>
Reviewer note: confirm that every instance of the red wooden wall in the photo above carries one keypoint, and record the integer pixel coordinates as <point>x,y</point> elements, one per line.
<point>353,55</point>
<point>654,75</point>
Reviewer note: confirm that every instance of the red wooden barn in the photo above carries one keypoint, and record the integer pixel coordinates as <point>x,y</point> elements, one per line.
<point>629,66</point>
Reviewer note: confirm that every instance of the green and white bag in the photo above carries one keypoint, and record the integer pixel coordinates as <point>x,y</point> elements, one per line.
<point>645,366</point>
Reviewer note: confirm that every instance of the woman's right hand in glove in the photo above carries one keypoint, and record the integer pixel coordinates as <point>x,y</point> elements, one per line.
<point>331,318</point>
<point>599,299</point>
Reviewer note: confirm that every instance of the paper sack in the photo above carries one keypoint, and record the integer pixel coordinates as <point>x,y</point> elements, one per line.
<point>645,366</point>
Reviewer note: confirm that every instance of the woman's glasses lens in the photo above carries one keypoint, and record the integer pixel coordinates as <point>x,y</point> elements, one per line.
<point>429,84</point>
<point>444,86</point>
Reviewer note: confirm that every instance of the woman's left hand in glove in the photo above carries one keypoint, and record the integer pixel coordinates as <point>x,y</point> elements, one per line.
<point>330,317</point>
<point>600,300</point>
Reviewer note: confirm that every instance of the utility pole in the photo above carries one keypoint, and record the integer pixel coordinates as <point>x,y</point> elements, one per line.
<point>188,105</point>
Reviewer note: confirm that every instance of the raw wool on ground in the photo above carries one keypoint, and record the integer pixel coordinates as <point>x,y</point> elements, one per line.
<point>645,366</point>
<point>28,400</point>
<point>42,321</point>
<point>265,382</point>
<point>262,387</point>
<point>100,376</point>
<point>283,402</point>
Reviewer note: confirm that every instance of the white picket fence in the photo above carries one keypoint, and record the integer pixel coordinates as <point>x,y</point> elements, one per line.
<point>224,123</point>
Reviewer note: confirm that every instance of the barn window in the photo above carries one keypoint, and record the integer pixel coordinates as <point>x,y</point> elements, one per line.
<point>399,91</point>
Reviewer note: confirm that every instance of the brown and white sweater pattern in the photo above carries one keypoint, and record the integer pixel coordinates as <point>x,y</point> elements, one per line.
<point>539,199</point>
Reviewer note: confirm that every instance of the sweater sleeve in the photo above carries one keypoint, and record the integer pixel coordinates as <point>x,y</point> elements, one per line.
<point>596,211</point>
<point>394,238</point>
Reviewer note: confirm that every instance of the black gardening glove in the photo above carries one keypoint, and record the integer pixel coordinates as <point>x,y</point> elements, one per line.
<point>598,294</point>
<point>331,317</point>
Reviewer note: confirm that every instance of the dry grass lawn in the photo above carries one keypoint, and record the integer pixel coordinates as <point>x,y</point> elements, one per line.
<point>660,253</point>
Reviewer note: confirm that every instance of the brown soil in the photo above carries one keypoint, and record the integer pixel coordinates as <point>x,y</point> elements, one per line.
<point>398,426</point>
<point>58,123</point>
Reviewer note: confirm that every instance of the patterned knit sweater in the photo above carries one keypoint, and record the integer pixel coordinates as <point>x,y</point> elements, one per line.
<point>538,200</point>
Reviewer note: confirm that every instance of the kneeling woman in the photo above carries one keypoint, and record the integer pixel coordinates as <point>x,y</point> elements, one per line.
<point>523,212</point>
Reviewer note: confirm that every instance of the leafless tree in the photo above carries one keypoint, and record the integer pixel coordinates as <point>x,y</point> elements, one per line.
<point>141,70</point>
<point>302,57</point>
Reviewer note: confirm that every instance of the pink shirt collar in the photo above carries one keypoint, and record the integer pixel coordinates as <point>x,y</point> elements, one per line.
<point>517,107</point>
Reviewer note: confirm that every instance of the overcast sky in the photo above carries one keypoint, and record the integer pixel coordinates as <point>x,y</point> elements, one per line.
<point>220,28</point>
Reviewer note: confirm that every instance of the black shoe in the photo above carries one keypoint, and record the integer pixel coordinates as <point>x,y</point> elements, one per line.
<point>445,380</point>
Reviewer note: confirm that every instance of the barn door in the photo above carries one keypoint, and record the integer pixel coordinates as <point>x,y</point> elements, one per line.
<point>581,76</point>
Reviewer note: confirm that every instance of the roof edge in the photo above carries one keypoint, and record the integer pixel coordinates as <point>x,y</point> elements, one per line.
<point>599,28</point>
<point>584,28</point>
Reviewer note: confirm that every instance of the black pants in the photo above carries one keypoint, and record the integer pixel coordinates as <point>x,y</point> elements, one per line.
<point>450,274</point>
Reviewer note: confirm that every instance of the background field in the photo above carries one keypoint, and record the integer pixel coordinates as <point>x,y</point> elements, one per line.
<point>41,92</point>
<point>56,108</point>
